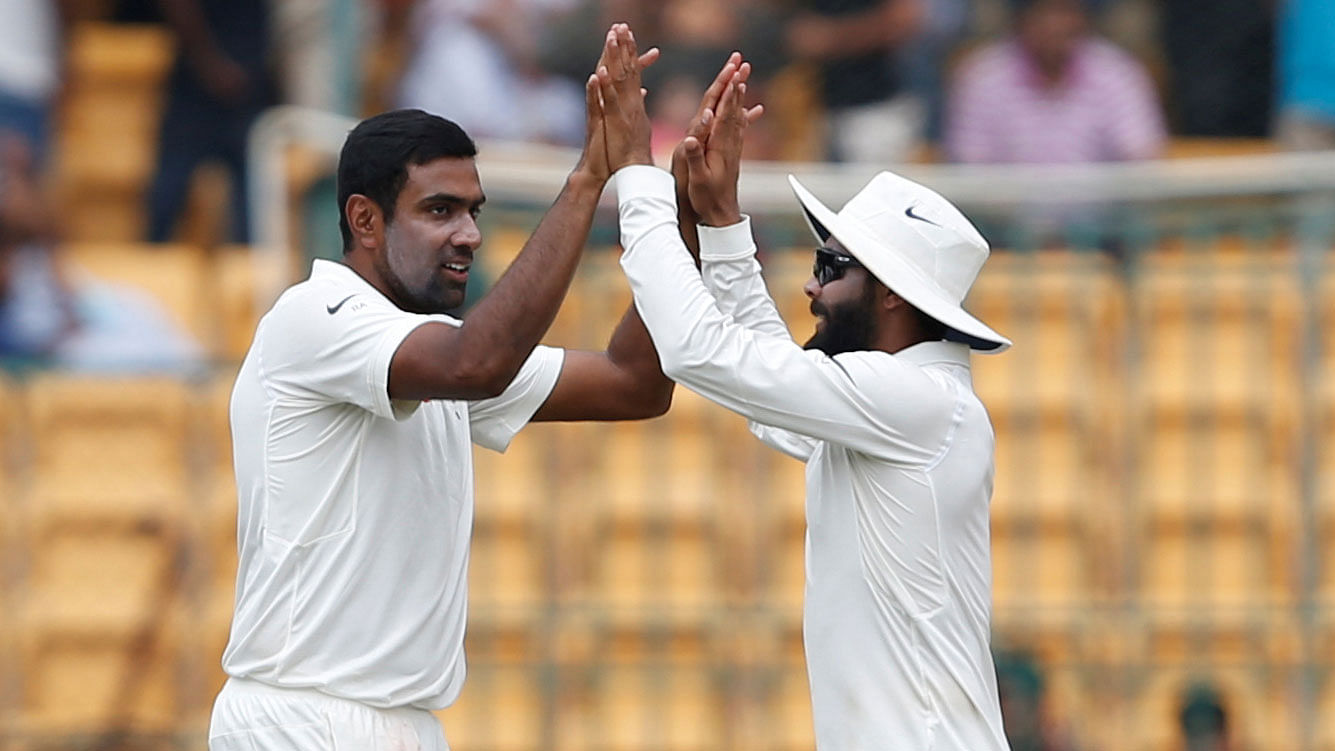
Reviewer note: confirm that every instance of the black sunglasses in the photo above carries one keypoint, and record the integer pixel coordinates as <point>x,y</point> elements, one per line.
<point>830,265</point>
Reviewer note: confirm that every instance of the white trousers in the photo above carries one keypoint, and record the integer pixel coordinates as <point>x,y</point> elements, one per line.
<point>250,716</point>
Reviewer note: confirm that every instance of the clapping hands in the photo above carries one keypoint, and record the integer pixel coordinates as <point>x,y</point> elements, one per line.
<point>617,129</point>
<point>708,160</point>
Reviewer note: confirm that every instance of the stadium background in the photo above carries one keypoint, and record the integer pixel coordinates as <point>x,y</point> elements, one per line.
<point>1160,517</point>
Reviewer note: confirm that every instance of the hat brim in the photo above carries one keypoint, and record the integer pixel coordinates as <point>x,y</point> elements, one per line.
<point>895,272</point>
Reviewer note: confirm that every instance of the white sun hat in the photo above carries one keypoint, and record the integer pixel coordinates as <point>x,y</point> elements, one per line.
<point>917,244</point>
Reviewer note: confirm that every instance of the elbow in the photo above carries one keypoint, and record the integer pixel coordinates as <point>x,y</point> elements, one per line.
<point>482,380</point>
<point>658,401</point>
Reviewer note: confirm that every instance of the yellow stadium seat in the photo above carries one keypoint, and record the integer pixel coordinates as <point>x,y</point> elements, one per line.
<point>12,418</point>
<point>503,708</point>
<point>110,450</point>
<point>671,577</point>
<point>235,279</point>
<point>1221,475</point>
<point>1261,702</point>
<point>673,706</point>
<point>1048,576</point>
<point>1065,313</point>
<point>176,276</point>
<point>101,622</point>
<point>1220,573</point>
<point>1052,478</point>
<point>508,573</point>
<point>787,701</point>
<point>1219,336</point>
<point>110,584</point>
<point>109,125</point>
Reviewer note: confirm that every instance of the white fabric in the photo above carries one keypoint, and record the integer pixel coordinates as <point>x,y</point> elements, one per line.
<point>250,716</point>
<point>899,474</point>
<point>915,242</point>
<point>355,511</point>
<point>29,48</point>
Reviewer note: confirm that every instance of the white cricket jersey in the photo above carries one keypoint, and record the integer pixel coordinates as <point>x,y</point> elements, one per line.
<point>899,455</point>
<point>355,511</point>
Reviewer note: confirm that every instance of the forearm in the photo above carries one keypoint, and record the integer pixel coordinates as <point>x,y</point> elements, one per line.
<point>510,320</point>
<point>632,351</point>
<point>732,275</point>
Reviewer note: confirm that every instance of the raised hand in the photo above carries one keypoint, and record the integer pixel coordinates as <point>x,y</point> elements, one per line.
<point>712,148</point>
<point>625,121</point>
<point>593,161</point>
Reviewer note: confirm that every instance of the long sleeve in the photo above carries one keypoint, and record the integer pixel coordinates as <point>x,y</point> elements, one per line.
<point>871,402</point>
<point>731,273</point>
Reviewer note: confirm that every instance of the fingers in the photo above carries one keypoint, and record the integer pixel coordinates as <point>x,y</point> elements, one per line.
<point>753,114</point>
<point>592,101</point>
<point>609,52</point>
<point>630,55</point>
<point>695,155</point>
<point>710,100</point>
<point>607,88</point>
<point>649,58</point>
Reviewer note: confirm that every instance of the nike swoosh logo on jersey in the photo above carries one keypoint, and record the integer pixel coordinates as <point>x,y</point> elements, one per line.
<point>334,308</point>
<point>909,213</point>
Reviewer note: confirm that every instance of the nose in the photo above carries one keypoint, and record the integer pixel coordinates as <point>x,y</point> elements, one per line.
<point>468,234</point>
<point>812,288</point>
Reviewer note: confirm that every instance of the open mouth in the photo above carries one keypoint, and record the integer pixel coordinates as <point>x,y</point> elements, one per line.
<point>459,270</point>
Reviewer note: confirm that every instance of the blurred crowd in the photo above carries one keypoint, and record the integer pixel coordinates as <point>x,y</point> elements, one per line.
<point>880,81</point>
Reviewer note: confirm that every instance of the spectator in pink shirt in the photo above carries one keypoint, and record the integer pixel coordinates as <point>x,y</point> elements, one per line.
<point>1053,93</point>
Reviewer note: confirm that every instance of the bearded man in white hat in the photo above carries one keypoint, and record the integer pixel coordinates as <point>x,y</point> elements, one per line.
<point>879,404</point>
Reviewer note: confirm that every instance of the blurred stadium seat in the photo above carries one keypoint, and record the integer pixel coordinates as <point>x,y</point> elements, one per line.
<point>109,127</point>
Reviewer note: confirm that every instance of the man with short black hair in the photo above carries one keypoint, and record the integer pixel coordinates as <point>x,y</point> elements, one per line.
<point>879,404</point>
<point>352,419</point>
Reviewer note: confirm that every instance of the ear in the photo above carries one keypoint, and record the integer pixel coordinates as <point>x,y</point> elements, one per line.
<point>890,300</point>
<point>366,221</point>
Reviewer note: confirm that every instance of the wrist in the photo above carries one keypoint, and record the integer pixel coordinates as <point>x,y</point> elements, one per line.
<point>583,179</point>
<point>720,217</point>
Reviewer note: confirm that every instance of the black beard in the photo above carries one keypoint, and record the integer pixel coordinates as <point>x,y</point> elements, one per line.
<point>849,327</point>
<point>438,296</point>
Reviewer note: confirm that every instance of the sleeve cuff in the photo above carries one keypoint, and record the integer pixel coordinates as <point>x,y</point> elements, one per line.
<point>731,243</point>
<point>643,180</point>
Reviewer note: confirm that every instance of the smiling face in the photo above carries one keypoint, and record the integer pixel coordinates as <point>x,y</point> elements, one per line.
<point>432,236</point>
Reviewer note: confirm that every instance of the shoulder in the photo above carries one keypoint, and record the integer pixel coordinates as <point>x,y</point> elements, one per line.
<point>992,62</point>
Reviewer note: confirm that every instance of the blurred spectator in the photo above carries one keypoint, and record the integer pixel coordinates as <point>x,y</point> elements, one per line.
<point>696,37</point>
<point>1220,56</point>
<point>1020,686</point>
<point>1307,75</point>
<point>1203,720</point>
<point>31,67</point>
<point>50,318</point>
<point>854,43</point>
<point>218,85</point>
<point>923,59</point>
<point>563,40</point>
<point>1052,94</point>
<point>475,62</point>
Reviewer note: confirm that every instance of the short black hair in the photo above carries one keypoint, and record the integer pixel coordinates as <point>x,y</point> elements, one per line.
<point>375,158</point>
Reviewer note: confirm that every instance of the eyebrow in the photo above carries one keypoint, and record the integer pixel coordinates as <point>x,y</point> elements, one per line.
<point>452,199</point>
